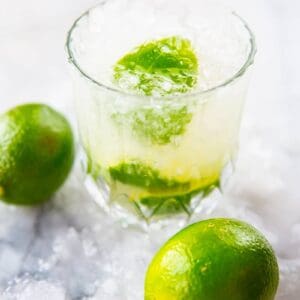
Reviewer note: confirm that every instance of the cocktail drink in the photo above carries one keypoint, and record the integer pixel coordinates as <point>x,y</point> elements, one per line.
<point>159,90</point>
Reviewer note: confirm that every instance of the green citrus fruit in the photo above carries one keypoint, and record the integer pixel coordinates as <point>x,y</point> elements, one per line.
<point>36,153</point>
<point>216,259</point>
<point>159,67</point>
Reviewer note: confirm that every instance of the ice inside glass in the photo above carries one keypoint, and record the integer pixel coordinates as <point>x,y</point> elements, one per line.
<point>159,90</point>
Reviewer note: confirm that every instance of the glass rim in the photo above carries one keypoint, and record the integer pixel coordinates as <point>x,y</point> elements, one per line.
<point>247,63</point>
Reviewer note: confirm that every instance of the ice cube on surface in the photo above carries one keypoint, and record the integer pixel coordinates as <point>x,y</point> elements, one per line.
<point>31,289</point>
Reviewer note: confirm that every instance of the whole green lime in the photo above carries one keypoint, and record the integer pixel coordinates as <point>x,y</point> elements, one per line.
<point>216,259</point>
<point>36,153</point>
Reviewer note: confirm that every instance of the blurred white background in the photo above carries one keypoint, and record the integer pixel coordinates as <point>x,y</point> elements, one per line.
<point>68,249</point>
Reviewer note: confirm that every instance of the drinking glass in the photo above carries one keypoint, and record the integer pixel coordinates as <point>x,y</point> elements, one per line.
<point>154,158</point>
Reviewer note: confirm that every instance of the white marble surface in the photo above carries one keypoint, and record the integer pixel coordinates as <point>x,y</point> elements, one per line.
<point>68,249</point>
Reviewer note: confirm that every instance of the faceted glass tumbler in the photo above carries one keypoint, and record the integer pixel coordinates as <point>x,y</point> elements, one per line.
<point>154,158</point>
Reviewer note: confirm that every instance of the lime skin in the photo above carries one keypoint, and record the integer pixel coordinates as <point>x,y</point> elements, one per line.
<point>36,153</point>
<point>216,259</point>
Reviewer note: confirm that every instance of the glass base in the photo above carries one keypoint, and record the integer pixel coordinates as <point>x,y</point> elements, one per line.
<point>156,212</point>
